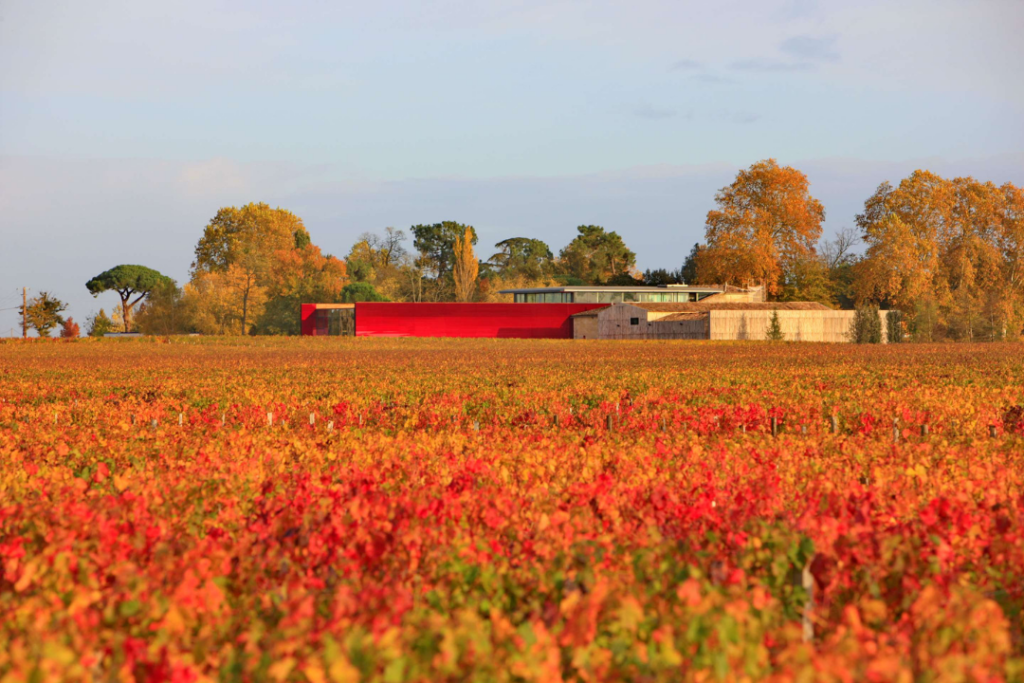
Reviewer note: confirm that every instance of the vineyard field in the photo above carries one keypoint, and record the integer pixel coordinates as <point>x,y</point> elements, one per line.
<point>325,509</point>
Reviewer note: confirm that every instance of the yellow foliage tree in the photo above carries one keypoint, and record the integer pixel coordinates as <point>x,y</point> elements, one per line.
<point>239,259</point>
<point>466,267</point>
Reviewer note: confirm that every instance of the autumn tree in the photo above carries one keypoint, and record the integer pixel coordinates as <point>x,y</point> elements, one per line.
<point>300,275</point>
<point>596,256</point>
<point>43,313</point>
<point>241,247</point>
<point>947,253</point>
<point>765,224</point>
<point>465,268</point>
<point>69,329</point>
<point>128,281</point>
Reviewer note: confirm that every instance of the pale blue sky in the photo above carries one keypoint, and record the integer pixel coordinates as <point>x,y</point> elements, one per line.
<point>125,125</point>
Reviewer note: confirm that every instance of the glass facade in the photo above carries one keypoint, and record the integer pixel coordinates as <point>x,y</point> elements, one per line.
<point>544,298</point>
<point>335,322</point>
<point>621,296</point>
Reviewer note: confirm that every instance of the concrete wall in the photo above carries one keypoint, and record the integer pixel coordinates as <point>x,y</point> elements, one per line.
<point>584,327</point>
<point>813,326</point>
<point>615,322</point>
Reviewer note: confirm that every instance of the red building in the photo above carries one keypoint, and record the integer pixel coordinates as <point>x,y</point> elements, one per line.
<point>373,319</point>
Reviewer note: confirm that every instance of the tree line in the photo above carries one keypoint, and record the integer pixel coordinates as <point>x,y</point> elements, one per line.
<point>947,253</point>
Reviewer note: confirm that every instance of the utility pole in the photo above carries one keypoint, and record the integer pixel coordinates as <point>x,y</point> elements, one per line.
<point>24,312</point>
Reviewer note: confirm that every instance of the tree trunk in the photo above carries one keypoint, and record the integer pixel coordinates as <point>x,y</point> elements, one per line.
<point>124,313</point>
<point>245,308</point>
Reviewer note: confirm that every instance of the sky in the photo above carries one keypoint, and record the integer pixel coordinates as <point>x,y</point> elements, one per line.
<point>124,126</point>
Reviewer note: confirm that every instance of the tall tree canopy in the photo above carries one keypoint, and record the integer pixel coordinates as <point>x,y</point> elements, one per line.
<point>253,230</point>
<point>253,265</point>
<point>128,281</point>
<point>522,257</point>
<point>596,256</point>
<point>950,245</point>
<point>765,224</point>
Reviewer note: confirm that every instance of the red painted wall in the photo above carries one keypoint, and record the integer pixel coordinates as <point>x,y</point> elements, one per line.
<point>467,320</point>
<point>309,319</point>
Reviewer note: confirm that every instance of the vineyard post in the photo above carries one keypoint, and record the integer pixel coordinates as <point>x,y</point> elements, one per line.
<point>808,583</point>
<point>610,422</point>
<point>835,424</point>
<point>924,430</point>
<point>312,420</point>
<point>775,426</point>
<point>992,431</point>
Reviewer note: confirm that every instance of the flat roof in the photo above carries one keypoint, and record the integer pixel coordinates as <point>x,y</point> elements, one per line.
<point>584,288</point>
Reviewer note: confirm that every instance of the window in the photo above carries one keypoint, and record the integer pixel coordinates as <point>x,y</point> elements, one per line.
<point>634,321</point>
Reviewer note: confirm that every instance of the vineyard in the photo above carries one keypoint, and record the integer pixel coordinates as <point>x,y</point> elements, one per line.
<point>506,510</point>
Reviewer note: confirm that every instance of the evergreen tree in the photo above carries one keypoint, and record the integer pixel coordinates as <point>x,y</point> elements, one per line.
<point>774,332</point>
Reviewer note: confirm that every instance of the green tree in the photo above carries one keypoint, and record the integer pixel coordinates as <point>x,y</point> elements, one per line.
<point>661,276</point>
<point>436,245</point>
<point>596,256</point>
<point>128,281</point>
<point>360,291</point>
<point>43,313</point>
<point>688,273</point>
<point>522,257</point>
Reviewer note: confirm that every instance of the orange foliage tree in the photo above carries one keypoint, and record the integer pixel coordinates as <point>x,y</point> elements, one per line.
<point>952,245</point>
<point>765,224</point>
<point>70,329</point>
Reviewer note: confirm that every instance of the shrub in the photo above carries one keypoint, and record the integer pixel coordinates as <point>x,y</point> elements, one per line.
<point>894,327</point>
<point>867,326</point>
